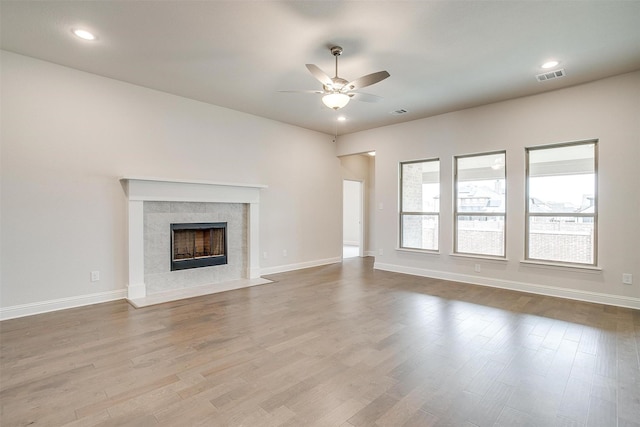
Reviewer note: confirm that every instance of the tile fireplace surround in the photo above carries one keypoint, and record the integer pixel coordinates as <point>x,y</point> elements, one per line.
<point>206,198</point>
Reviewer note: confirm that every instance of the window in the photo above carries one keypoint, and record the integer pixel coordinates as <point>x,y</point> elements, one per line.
<point>480,213</point>
<point>561,213</point>
<point>419,204</point>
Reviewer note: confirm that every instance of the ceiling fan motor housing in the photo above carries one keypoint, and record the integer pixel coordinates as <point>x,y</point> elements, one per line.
<point>338,84</point>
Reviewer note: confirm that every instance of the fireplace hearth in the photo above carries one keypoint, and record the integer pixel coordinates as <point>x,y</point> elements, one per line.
<point>195,245</point>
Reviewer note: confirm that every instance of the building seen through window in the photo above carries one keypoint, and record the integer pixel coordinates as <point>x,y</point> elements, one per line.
<point>420,204</point>
<point>480,209</point>
<point>561,223</point>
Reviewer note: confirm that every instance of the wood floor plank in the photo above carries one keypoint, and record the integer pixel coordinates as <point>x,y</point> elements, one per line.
<point>421,419</point>
<point>341,344</point>
<point>368,415</point>
<point>488,409</point>
<point>601,413</point>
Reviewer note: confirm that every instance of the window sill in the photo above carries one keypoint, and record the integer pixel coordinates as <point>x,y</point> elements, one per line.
<point>483,257</point>
<point>560,266</point>
<point>418,251</point>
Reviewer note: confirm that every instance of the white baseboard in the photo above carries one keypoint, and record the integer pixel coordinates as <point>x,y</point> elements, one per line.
<point>79,301</point>
<point>291,267</point>
<point>60,304</point>
<point>195,291</point>
<point>553,291</point>
<point>595,297</point>
<point>369,253</point>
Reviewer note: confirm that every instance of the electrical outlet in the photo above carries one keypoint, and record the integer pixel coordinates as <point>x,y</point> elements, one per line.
<point>265,255</point>
<point>284,253</point>
<point>477,268</point>
<point>380,251</point>
<point>95,276</point>
<point>627,278</point>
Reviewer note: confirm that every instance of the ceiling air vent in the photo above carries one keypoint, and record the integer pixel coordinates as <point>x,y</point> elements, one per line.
<point>399,112</point>
<point>550,75</point>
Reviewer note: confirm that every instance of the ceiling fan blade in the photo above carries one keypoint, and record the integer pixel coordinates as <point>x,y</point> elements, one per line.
<point>303,91</point>
<point>364,97</point>
<point>365,81</point>
<point>319,74</point>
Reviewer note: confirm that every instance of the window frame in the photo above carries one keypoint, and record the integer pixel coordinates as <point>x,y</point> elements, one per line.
<point>528,215</point>
<point>457,213</point>
<point>402,213</point>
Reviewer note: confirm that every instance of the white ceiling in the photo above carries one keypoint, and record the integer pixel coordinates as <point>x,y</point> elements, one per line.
<point>442,55</point>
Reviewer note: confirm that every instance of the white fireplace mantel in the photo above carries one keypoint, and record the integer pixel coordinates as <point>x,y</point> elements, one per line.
<point>141,189</point>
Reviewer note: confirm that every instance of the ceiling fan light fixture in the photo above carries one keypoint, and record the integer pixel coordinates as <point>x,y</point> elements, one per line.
<point>336,100</point>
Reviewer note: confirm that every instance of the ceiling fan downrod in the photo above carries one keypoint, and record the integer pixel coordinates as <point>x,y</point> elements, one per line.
<point>336,51</point>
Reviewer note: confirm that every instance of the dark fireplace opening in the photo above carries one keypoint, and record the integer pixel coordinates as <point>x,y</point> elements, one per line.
<point>201,244</point>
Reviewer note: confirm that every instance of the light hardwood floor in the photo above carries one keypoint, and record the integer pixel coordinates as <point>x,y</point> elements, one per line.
<point>339,345</point>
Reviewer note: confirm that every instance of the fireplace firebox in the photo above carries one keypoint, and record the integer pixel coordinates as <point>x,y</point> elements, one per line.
<point>196,245</point>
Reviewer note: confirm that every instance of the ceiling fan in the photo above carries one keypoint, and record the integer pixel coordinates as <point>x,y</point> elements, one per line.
<point>336,91</point>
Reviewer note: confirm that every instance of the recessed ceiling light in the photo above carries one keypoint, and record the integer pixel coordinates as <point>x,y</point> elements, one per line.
<point>83,34</point>
<point>549,64</point>
<point>342,118</point>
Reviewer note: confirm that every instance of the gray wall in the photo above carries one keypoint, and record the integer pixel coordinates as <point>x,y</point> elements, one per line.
<point>67,136</point>
<point>608,110</point>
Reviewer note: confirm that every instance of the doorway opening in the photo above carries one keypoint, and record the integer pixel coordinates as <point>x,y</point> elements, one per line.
<point>352,219</point>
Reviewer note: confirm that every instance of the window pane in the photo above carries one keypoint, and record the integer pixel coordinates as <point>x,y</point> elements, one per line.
<point>420,232</point>
<point>482,235</point>
<point>481,168</point>
<point>562,180</point>
<point>481,196</point>
<point>563,239</point>
<point>480,188</point>
<point>421,186</point>
<point>481,183</point>
<point>568,160</point>
<point>562,193</point>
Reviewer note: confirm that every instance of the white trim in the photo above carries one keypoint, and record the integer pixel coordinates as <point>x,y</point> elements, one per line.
<point>196,291</point>
<point>560,266</point>
<point>60,304</point>
<point>186,191</point>
<point>362,224</point>
<point>418,251</point>
<point>595,297</point>
<point>479,256</point>
<point>253,244</point>
<point>185,181</point>
<point>141,189</point>
<point>299,266</point>
<point>136,291</point>
<point>135,226</point>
